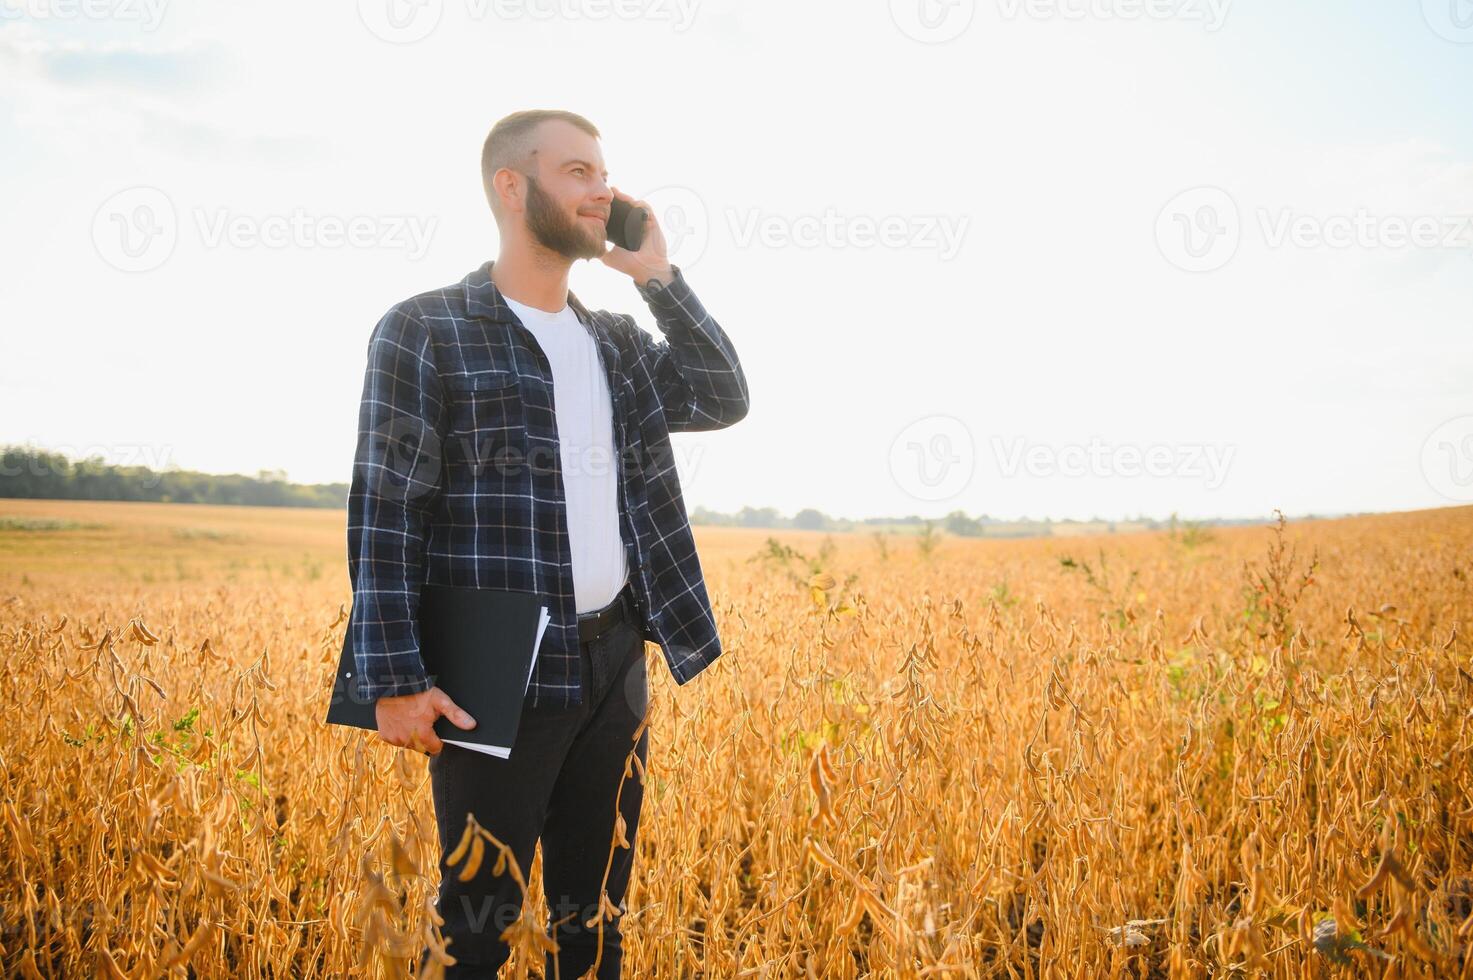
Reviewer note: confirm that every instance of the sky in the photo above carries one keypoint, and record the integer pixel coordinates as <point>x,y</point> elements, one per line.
<point>1021,258</point>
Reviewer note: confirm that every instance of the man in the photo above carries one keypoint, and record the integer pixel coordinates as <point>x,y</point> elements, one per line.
<point>509,438</point>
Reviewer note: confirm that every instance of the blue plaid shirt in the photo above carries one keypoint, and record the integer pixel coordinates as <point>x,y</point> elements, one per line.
<point>457,474</point>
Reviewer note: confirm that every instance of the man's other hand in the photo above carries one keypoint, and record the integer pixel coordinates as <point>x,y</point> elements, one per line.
<point>409,720</point>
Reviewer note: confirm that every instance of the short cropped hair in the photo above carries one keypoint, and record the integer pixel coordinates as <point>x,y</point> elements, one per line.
<point>512,143</point>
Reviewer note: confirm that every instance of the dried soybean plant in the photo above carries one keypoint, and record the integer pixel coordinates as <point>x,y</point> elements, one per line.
<point>1246,755</point>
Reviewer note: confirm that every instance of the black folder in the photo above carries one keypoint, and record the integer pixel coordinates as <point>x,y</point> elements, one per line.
<point>478,646</point>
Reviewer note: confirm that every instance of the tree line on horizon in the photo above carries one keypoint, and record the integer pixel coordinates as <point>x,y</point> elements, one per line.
<point>27,472</point>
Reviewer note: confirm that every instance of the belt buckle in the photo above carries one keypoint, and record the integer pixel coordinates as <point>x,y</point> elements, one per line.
<point>621,607</point>
<point>600,622</point>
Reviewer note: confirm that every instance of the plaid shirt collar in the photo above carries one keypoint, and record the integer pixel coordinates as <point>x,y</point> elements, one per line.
<point>484,300</point>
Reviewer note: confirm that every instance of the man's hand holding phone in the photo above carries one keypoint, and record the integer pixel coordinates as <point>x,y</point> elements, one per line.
<point>409,719</point>
<point>650,260</point>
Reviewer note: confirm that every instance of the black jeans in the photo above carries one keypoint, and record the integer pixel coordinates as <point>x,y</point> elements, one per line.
<point>560,784</point>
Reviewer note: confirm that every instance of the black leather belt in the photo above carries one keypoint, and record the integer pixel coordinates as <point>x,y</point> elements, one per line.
<point>592,625</point>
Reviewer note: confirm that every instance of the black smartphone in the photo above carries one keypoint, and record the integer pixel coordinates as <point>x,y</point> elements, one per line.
<point>625,227</point>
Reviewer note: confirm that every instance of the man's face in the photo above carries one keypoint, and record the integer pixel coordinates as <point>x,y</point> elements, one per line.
<point>568,201</point>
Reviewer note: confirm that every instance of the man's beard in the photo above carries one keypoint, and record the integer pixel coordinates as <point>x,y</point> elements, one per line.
<point>555,230</point>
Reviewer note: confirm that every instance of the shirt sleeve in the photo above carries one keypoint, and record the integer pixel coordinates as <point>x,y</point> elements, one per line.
<point>396,484</point>
<point>697,376</point>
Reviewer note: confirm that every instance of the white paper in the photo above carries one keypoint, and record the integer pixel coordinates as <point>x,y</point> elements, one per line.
<point>504,751</point>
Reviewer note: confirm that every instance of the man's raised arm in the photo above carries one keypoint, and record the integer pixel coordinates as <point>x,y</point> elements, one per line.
<point>695,368</point>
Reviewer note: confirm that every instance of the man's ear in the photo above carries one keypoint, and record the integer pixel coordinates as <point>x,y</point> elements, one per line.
<point>511,189</point>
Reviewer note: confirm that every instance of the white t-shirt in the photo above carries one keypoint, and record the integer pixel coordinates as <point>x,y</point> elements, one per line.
<point>585,431</point>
